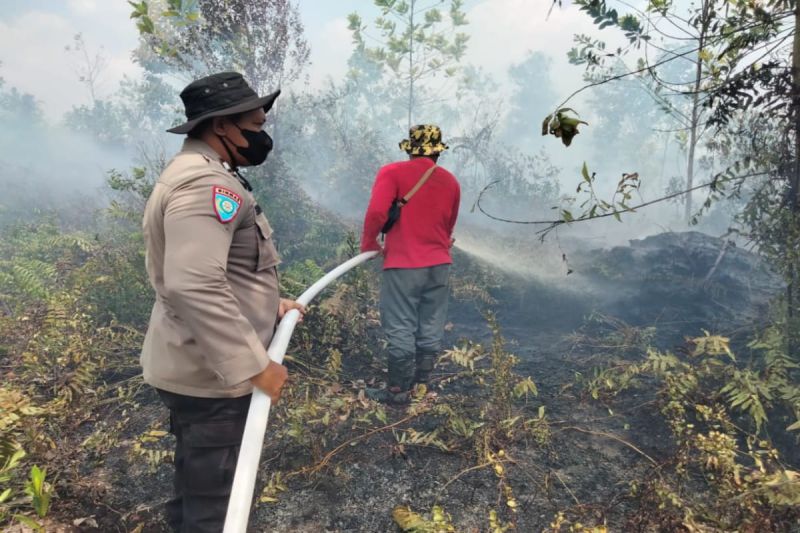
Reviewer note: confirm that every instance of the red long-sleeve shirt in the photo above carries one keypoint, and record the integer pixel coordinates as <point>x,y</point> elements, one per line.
<point>421,236</point>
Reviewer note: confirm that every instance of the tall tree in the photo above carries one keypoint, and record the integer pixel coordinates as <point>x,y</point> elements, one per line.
<point>702,26</point>
<point>417,43</point>
<point>89,66</point>
<point>263,39</point>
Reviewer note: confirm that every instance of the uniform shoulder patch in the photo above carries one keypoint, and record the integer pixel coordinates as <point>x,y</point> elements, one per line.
<point>226,203</point>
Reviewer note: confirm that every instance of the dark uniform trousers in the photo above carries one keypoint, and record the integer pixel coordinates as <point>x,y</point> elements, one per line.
<point>208,432</point>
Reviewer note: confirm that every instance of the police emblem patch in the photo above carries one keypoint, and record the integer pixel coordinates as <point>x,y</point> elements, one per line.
<point>226,204</point>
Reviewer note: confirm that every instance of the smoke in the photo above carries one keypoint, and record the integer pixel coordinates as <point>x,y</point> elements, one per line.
<point>46,167</point>
<point>333,137</point>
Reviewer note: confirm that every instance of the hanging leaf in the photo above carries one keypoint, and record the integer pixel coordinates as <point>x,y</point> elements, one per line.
<point>585,173</point>
<point>562,125</point>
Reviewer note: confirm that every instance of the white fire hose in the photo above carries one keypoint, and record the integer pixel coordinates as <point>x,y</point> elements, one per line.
<point>244,480</point>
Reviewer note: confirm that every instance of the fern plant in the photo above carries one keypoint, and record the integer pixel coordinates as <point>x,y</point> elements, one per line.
<point>707,398</point>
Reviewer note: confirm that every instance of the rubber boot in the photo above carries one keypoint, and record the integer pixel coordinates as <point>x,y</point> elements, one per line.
<point>398,386</point>
<point>425,361</point>
<point>389,395</point>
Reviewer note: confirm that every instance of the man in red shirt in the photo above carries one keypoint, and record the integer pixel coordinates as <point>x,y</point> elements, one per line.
<point>416,258</point>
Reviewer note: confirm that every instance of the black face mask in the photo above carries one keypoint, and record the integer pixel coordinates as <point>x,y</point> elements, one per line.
<point>259,145</point>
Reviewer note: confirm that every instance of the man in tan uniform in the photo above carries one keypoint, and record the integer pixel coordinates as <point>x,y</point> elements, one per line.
<point>212,262</point>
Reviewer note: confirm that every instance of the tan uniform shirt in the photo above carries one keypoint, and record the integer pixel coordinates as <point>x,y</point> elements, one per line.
<point>215,279</point>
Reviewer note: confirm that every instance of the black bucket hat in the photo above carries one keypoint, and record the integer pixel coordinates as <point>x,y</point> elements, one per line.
<point>218,95</point>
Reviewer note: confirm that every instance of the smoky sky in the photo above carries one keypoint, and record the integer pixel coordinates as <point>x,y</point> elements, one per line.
<point>513,45</point>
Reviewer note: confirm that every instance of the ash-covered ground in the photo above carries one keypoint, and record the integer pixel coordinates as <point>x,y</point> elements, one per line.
<point>680,283</point>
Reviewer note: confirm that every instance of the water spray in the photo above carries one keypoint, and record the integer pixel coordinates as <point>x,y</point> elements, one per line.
<point>244,480</point>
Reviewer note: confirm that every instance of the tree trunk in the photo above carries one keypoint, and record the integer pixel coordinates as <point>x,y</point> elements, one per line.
<point>795,181</point>
<point>692,145</point>
<point>411,64</point>
<point>792,335</point>
<point>696,107</point>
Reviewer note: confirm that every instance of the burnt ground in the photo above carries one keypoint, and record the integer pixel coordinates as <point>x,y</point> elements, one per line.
<point>592,454</point>
<point>574,467</point>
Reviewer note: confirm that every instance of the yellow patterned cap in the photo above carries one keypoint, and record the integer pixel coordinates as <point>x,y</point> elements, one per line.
<point>423,139</point>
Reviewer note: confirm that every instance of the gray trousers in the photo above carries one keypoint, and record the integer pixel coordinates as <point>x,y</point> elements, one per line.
<point>413,315</point>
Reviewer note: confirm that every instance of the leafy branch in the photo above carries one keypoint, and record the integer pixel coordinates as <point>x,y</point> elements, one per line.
<point>602,209</point>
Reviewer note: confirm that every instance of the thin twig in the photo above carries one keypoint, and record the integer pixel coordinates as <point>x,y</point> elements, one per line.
<point>623,75</point>
<point>325,460</point>
<point>566,487</point>
<point>463,472</point>
<point>720,256</point>
<point>613,437</point>
<point>554,223</point>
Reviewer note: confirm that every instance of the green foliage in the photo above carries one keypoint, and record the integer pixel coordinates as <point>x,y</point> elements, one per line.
<point>501,364</point>
<point>605,17</point>
<point>563,524</point>
<point>29,522</point>
<point>29,278</point>
<point>458,422</point>
<point>610,339</point>
<point>10,458</point>
<point>718,414</point>
<point>276,485</point>
<point>412,437</point>
<point>419,47</point>
<point>592,205</point>
<point>747,392</point>
<point>466,355</point>
<point>17,417</point>
<point>139,182</point>
<point>336,334</point>
<point>140,11</point>
<point>36,260</point>
<point>539,428</point>
<point>589,51</point>
<point>322,410</point>
<point>66,351</point>
<point>411,522</point>
<point>151,446</point>
<point>39,491</point>
<point>500,421</point>
<point>299,276</point>
<point>504,385</point>
<point>415,38</point>
<point>525,388</point>
<point>336,329</point>
<point>498,526</point>
<point>202,36</point>
<point>115,285</point>
<point>325,412</point>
